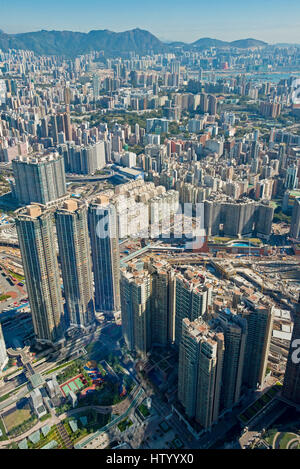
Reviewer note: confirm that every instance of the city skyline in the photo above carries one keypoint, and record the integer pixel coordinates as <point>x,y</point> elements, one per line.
<point>272,22</point>
<point>150,229</point>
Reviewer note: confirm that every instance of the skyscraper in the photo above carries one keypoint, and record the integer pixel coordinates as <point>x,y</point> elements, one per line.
<point>3,91</point>
<point>282,156</point>
<point>239,218</point>
<point>136,310</point>
<point>254,150</point>
<point>54,128</point>
<point>212,105</point>
<point>66,116</point>
<point>162,306</point>
<point>291,179</point>
<point>264,218</point>
<point>200,371</point>
<point>74,251</point>
<point>3,354</point>
<point>147,304</point>
<point>92,158</point>
<point>295,223</point>
<point>38,250</point>
<point>191,301</point>
<point>291,384</point>
<point>39,179</point>
<point>212,217</point>
<point>234,328</point>
<point>96,86</point>
<point>259,327</point>
<point>83,159</point>
<point>103,229</point>
<point>203,102</point>
<point>67,96</point>
<point>67,125</point>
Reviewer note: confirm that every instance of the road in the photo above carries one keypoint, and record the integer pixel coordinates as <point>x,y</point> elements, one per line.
<point>91,441</point>
<point>67,354</point>
<point>90,177</point>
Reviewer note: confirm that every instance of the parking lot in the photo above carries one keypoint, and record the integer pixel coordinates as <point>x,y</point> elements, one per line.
<point>15,291</point>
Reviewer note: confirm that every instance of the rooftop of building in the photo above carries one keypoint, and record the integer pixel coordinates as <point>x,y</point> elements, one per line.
<point>38,158</point>
<point>200,329</point>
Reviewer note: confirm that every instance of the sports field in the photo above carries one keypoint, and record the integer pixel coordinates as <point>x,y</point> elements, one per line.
<point>74,384</point>
<point>15,417</point>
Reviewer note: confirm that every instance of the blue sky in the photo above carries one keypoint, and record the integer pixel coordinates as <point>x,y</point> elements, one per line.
<point>185,20</point>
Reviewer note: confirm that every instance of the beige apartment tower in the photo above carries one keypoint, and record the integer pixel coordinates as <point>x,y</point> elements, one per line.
<point>147,304</point>
<point>75,259</point>
<point>104,237</point>
<point>201,355</point>
<point>135,288</point>
<point>37,243</point>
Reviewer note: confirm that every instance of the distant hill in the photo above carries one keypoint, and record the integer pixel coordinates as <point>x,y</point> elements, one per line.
<point>207,42</point>
<point>177,44</point>
<point>69,43</point>
<point>247,43</point>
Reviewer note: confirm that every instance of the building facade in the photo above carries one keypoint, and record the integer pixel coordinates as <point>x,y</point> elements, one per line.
<point>291,384</point>
<point>75,260</point>
<point>201,354</point>
<point>39,179</point>
<point>3,354</point>
<point>39,257</point>
<point>103,229</point>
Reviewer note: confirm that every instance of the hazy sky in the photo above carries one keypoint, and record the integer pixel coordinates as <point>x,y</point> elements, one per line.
<point>184,20</point>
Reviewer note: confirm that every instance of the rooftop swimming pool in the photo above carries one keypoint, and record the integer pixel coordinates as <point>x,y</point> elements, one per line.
<point>243,245</point>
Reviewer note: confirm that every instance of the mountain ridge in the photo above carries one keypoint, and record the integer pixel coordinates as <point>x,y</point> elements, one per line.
<point>240,43</point>
<point>71,43</point>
